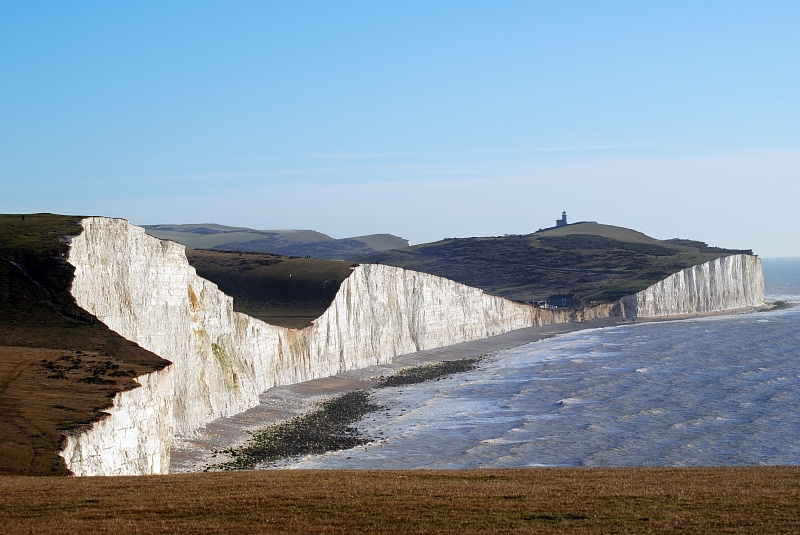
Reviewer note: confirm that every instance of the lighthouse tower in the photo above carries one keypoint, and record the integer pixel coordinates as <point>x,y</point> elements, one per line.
<point>563,221</point>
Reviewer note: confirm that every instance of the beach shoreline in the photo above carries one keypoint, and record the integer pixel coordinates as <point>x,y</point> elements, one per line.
<point>279,404</point>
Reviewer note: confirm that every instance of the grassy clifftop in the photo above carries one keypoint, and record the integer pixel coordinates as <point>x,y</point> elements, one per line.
<point>59,366</point>
<point>281,290</point>
<point>598,262</point>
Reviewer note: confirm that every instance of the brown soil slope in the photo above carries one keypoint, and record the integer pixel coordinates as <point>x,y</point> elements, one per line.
<point>59,366</point>
<point>600,263</point>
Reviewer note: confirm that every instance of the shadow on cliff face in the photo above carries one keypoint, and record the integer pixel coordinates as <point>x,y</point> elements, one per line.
<point>281,290</point>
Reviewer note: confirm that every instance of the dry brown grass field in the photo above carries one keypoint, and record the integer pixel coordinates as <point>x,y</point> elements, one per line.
<point>539,500</point>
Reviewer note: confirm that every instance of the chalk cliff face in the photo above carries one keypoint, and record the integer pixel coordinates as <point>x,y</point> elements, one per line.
<point>145,290</point>
<point>725,283</point>
<point>136,436</point>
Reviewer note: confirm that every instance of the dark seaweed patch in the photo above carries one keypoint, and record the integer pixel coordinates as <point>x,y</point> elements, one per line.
<point>428,372</point>
<point>329,427</point>
<point>325,429</point>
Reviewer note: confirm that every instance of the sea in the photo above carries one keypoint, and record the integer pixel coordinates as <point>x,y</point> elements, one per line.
<point>713,391</point>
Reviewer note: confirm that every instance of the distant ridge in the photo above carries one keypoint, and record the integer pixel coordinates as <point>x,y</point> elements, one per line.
<point>283,242</point>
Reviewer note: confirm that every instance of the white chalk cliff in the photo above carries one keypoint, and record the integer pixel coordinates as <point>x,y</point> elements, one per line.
<point>144,289</point>
<point>134,438</point>
<point>725,283</point>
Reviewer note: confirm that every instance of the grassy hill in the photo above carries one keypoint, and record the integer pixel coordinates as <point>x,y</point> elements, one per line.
<point>280,242</point>
<point>59,366</point>
<point>280,290</point>
<point>600,263</point>
<point>209,235</point>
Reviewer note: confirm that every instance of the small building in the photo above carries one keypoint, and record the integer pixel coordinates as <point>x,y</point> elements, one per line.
<point>563,221</point>
<point>563,301</point>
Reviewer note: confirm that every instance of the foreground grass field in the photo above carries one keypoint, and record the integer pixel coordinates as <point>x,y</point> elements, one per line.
<point>574,500</point>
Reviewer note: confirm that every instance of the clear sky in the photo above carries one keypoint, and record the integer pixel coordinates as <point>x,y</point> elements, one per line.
<point>423,119</point>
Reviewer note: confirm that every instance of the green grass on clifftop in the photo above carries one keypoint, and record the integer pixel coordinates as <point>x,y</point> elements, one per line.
<point>281,290</point>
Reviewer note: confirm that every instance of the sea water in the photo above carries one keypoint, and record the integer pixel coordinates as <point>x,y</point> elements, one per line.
<point>721,390</point>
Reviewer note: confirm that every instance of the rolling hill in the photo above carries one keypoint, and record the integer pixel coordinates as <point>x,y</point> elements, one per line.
<point>280,242</point>
<point>600,263</point>
<point>281,290</point>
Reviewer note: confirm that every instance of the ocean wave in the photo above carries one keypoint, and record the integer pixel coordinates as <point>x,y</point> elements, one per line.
<point>725,393</point>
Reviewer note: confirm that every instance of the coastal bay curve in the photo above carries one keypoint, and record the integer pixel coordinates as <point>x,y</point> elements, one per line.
<point>144,289</point>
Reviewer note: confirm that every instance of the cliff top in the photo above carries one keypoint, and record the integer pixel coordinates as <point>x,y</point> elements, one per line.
<point>599,262</point>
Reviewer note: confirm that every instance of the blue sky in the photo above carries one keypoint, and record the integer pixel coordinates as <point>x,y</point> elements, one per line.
<point>422,119</point>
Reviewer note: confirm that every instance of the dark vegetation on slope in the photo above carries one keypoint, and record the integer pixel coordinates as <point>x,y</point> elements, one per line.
<point>281,290</point>
<point>600,263</point>
<point>59,366</point>
<point>332,250</point>
<point>758,499</point>
<point>280,242</point>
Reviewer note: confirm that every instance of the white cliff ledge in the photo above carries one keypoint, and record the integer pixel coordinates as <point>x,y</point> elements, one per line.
<point>145,290</point>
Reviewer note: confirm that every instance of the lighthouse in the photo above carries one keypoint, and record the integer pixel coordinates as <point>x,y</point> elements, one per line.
<point>563,221</point>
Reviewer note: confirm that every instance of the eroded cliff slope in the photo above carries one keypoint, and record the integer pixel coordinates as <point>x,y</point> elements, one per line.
<point>144,289</point>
